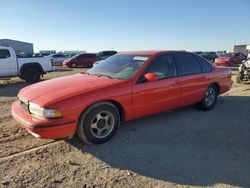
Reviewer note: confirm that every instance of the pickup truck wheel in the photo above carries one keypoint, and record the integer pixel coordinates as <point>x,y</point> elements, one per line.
<point>209,99</point>
<point>31,75</point>
<point>99,123</point>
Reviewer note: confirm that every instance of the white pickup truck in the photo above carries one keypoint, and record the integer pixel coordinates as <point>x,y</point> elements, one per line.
<point>28,69</point>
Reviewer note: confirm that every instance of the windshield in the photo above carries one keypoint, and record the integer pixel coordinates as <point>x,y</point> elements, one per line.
<point>120,66</point>
<point>74,56</point>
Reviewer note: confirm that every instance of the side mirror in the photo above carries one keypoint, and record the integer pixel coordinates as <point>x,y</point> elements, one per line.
<point>150,77</point>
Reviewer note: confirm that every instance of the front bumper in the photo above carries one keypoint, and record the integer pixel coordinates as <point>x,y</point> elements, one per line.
<point>43,128</point>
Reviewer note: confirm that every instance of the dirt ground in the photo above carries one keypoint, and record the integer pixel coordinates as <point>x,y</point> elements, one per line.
<point>181,148</point>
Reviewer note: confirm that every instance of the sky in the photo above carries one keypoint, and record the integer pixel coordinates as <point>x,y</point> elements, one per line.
<point>125,25</point>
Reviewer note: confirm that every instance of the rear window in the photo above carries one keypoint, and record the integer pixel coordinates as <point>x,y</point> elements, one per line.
<point>4,54</point>
<point>187,64</point>
<point>206,67</point>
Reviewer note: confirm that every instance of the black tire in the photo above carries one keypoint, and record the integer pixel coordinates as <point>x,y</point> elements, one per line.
<point>73,65</point>
<point>31,75</point>
<point>210,98</point>
<point>231,63</point>
<point>239,77</point>
<point>93,120</point>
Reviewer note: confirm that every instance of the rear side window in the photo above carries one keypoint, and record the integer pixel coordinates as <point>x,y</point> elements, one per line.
<point>163,66</point>
<point>4,54</point>
<point>206,67</point>
<point>187,64</point>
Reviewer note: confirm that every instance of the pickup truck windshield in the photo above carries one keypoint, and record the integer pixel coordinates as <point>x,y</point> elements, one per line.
<point>120,66</point>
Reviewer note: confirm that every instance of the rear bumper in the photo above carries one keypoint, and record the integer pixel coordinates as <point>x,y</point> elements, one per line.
<point>43,128</point>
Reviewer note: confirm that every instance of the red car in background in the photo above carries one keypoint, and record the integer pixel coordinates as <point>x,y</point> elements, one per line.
<point>230,59</point>
<point>82,60</point>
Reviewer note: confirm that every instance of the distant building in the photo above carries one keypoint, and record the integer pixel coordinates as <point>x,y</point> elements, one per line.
<point>244,48</point>
<point>21,48</point>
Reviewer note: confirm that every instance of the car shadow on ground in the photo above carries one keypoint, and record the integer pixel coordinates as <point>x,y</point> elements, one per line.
<point>11,89</point>
<point>61,69</point>
<point>184,146</point>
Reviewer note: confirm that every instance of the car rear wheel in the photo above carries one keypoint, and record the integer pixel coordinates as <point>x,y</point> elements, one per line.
<point>209,99</point>
<point>99,123</point>
<point>231,63</point>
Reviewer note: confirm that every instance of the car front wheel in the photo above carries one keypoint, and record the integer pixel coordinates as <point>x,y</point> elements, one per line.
<point>99,123</point>
<point>209,99</point>
<point>73,65</point>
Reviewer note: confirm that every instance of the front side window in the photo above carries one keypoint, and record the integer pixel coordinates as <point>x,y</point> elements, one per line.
<point>4,54</point>
<point>187,64</point>
<point>163,66</point>
<point>120,66</point>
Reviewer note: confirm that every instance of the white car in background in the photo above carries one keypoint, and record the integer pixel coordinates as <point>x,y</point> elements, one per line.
<point>29,69</point>
<point>57,59</point>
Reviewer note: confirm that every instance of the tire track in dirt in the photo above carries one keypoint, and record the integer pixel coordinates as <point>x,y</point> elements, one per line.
<point>26,151</point>
<point>19,143</point>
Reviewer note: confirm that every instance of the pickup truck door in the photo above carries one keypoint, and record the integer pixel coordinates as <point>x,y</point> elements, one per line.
<point>8,63</point>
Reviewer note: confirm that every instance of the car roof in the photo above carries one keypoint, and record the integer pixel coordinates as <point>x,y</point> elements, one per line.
<point>150,52</point>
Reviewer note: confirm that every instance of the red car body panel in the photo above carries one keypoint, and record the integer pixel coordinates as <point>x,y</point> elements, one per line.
<point>72,95</point>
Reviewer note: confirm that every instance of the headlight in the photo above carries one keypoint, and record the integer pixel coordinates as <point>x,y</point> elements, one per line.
<point>42,112</point>
<point>36,110</point>
<point>52,113</point>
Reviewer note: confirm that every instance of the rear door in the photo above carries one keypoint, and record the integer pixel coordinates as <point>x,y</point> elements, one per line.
<point>160,95</point>
<point>194,81</point>
<point>91,58</point>
<point>8,64</point>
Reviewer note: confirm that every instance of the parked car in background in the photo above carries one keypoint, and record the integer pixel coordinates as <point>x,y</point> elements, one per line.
<point>210,56</point>
<point>37,55</point>
<point>57,59</point>
<point>221,53</point>
<point>82,60</point>
<point>105,54</point>
<point>123,87</point>
<point>230,59</point>
<point>29,69</point>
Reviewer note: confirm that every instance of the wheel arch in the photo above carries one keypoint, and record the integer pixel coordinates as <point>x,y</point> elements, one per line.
<point>111,101</point>
<point>32,65</point>
<point>217,86</point>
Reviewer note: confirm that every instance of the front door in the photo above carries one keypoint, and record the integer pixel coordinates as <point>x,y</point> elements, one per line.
<point>159,95</point>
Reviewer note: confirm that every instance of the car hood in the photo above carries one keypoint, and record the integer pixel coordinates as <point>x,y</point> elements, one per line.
<point>56,89</point>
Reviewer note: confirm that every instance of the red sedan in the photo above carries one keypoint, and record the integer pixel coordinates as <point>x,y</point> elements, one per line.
<point>230,59</point>
<point>123,87</point>
<point>82,60</point>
